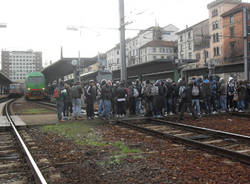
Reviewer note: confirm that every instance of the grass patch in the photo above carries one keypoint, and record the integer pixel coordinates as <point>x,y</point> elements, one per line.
<point>35,111</point>
<point>73,130</point>
<point>82,134</point>
<point>122,152</point>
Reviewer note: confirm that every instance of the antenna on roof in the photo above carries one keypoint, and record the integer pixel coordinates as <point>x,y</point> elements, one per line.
<point>61,52</point>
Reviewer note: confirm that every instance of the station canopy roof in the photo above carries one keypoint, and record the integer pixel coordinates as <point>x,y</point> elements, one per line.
<point>63,67</point>
<point>4,80</point>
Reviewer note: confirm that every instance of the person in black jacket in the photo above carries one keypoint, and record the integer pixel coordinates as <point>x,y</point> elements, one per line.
<point>186,98</point>
<point>114,97</point>
<point>121,100</point>
<point>106,94</point>
<point>196,94</point>
<point>90,96</point>
<point>67,102</point>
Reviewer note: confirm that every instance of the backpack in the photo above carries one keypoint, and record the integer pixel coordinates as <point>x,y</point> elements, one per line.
<point>148,91</point>
<point>136,93</point>
<point>75,92</point>
<point>213,87</point>
<point>181,90</point>
<point>155,90</point>
<point>131,91</point>
<point>56,93</point>
<point>195,91</point>
<point>207,90</point>
<point>231,88</point>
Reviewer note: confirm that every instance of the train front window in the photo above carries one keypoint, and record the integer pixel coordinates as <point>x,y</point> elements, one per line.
<point>35,80</point>
<point>12,86</point>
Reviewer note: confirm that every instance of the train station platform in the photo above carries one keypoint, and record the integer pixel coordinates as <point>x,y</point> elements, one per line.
<point>18,121</point>
<point>4,123</point>
<point>3,96</point>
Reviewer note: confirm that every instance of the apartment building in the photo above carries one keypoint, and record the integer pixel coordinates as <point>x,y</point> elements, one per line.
<point>233,31</point>
<point>134,46</point>
<point>17,64</point>
<point>216,9</point>
<point>193,42</point>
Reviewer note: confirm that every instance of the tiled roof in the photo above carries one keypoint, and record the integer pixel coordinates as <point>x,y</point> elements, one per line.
<point>159,43</point>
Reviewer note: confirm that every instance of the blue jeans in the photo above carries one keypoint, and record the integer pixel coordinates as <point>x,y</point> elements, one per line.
<point>197,104</point>
<point>77,105</point>
<point>138,106</point>
<point>165,104</point>
<point>107,108</point>
<point>100,107</point>
<point>59,109</point>
<point>223,102</point>
<point>241,105</point>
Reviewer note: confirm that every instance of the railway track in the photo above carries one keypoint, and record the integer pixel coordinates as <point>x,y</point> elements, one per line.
<point>233,146</point>
<point>16,162</point>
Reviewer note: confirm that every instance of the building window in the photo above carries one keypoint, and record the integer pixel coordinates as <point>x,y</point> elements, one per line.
<point>216,37</point>
<point>205,54</point>
<point>190,55</point>
<point>215,25</point>
<point>181,48</point>
<point>232,19</point>
<point>180,38</point>
<point>189,35</point>
<point>198,56</point>
<point>154,57</point>
<point>215,13</point>
<point>231,32</point>
<point>154,49</point>
<point>216,51</point>
<point>189,46</point>
<point>232,46</point>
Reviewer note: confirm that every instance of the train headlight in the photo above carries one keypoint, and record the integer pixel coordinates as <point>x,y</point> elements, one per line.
<point>43,89</point>
<point>28,89</point>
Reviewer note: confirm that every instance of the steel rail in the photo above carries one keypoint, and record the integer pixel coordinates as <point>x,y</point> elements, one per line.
<point>206,147</point>
<point>206,130</point>
<point>38,175</point>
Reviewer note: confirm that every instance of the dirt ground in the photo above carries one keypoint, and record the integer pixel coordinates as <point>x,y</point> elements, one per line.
<point>228,123</point>
<point>147,159</point>
<point>97,152</point>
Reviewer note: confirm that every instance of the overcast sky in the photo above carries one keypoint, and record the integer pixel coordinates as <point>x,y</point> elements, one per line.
<point>41,24</point>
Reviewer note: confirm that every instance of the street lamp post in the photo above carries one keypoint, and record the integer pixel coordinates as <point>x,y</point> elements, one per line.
<point>122,42</point>
<point>76,63</point>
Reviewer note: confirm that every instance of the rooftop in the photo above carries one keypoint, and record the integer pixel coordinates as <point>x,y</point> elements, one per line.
<point>217,2</point>
<point>189,28</point>
<point>159,43</point>
<point>236,9</point>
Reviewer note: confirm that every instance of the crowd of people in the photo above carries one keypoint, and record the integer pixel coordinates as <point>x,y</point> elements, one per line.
<point>157,99</point>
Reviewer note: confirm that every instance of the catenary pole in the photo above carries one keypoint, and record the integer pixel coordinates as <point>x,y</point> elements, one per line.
<point>245,23</point>
<point>122,42</point>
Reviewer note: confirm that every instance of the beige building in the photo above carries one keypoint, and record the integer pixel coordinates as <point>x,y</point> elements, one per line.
<point>158,50</point>
<point>216,9</point>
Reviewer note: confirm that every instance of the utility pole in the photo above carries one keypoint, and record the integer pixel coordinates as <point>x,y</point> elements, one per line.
<point>78,67</point>
<point>245,23</point>
<point>122,42</point>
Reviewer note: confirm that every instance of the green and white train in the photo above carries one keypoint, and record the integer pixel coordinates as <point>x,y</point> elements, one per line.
<point>35,86</point>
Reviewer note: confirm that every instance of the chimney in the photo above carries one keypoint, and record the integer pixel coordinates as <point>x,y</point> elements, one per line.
<point>61,52</point>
